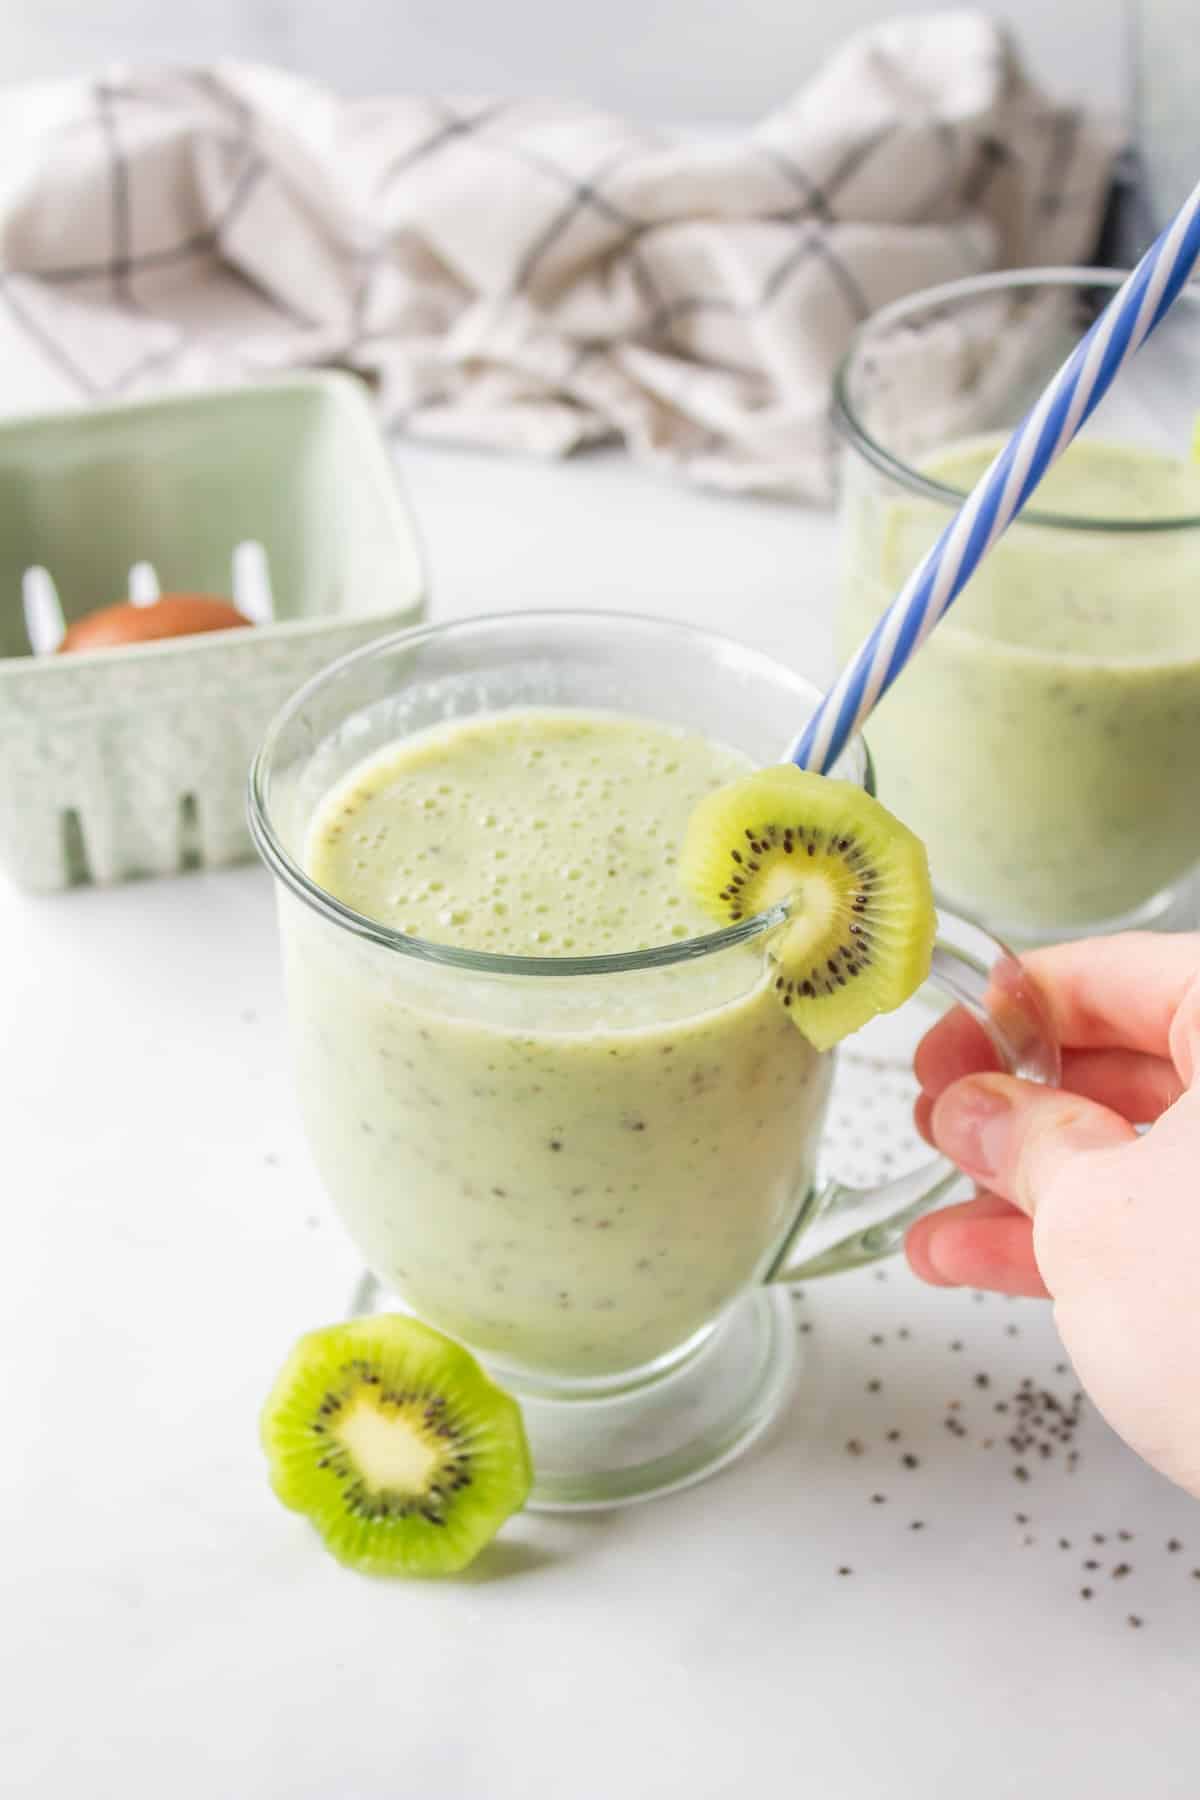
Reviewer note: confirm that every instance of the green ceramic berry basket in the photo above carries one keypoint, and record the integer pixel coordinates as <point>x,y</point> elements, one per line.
<point>132,761</point>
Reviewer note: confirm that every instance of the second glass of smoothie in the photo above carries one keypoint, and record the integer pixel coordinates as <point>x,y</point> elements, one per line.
<point>1045,741</point>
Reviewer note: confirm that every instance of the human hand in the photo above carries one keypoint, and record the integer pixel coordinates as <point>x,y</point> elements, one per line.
<point>1071,1201</point>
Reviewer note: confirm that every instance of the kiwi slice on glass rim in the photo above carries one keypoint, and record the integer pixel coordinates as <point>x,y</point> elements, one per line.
<point>405,1456</point>
<point>858,938</point>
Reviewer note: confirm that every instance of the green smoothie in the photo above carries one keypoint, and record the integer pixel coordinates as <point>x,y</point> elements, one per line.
<point>574,1174</point>
<point>1045,741</point>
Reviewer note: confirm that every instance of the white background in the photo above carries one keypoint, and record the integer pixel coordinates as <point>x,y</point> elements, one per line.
<point>658,59</point>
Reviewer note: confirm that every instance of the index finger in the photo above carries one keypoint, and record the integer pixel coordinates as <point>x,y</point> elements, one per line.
<point>1117,993</point>
<point>1101,994</point>
<point>956,1045</point>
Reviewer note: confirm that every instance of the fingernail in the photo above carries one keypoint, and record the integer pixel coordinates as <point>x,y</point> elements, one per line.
<point>970,1126</point>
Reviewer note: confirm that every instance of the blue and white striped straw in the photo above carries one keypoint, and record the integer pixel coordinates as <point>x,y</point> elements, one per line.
<point>1000,493</point>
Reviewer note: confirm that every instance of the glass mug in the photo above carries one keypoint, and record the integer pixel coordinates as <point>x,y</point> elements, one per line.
<point>1045,742</point>
<point>601,1172</point>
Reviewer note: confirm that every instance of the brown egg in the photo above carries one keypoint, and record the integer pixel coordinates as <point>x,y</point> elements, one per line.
<point>172,615</point>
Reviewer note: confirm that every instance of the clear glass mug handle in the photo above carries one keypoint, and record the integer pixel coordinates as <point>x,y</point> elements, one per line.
<point>975,970</point>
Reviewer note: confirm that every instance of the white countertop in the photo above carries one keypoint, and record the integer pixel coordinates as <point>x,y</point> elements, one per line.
<point>168,1630</point>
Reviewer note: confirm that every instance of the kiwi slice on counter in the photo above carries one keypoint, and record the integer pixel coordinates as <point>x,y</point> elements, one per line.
<point>403,1453</point>
<point>858,939</point>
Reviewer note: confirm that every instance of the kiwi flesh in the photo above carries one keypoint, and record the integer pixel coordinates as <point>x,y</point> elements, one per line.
<point>858,937</point>
<point>405,1456</point>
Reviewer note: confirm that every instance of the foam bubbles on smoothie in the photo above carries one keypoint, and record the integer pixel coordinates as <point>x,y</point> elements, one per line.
<point>585,809</point>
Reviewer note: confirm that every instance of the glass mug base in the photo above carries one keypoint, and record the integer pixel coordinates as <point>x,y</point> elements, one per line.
<point>662,1429</point>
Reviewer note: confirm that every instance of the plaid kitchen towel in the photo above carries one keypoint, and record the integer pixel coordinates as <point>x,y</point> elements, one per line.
<point>529,275</point>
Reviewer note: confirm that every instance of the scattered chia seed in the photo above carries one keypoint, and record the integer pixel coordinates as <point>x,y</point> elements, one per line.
<point>1038,1422</point>
<point>1173,1544</point>
<point>1135,1621</point>
<point>1126,1537</point>
<point>1011,1331</point>
<point>845,1570</point>
<point>1121,1570</point>
<point>806,1327</point>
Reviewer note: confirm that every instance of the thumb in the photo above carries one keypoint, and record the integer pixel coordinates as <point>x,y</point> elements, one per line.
<point>1014,1137</point>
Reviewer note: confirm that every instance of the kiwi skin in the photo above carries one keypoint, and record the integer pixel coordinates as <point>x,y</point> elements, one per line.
<point>858,939</point>
<point>396,1445</point>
